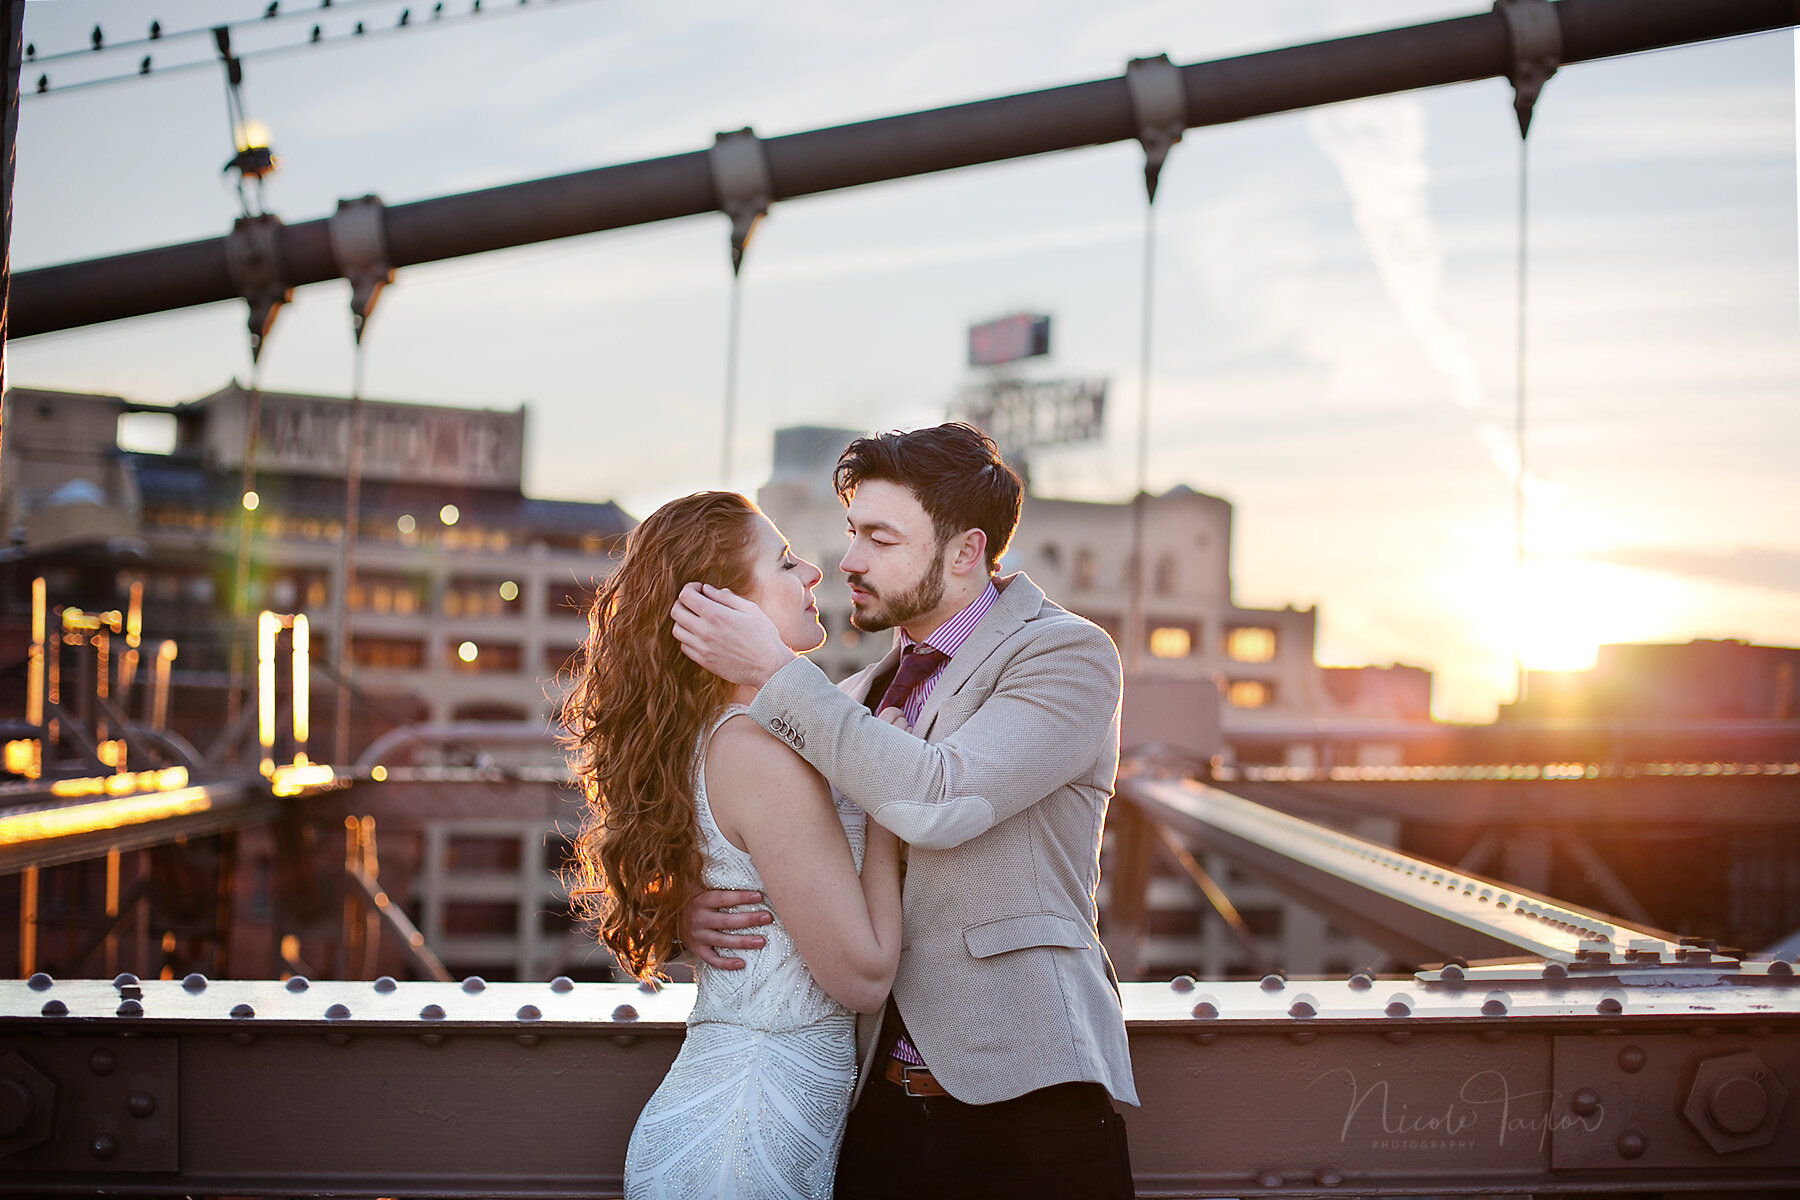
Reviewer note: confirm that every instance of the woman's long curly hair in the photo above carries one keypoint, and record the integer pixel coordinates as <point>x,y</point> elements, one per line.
<point>633,720</point>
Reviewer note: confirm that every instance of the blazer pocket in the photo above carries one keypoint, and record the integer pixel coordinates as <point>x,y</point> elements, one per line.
<point>1023,931</point>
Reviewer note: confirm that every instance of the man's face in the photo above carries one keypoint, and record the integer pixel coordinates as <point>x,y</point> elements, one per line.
<point>895,566</point>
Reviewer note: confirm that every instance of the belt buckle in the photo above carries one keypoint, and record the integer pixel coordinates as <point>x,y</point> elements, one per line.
<point>906,1074</point>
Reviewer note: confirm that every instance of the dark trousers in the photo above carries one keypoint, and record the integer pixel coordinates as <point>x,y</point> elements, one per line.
<point>1062,1141</point>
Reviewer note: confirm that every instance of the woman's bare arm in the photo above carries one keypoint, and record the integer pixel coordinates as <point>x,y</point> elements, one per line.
<point>767,801</point>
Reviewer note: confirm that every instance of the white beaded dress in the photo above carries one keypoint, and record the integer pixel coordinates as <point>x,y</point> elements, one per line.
<point>755,1103</point>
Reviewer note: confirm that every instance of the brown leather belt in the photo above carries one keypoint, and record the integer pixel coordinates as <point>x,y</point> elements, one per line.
<point>914,1081</point>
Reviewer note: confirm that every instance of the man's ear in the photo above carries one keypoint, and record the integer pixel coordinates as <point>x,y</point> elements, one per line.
<point>968,552</point>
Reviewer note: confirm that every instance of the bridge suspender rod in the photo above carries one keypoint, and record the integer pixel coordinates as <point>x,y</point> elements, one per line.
<point>897,147</point>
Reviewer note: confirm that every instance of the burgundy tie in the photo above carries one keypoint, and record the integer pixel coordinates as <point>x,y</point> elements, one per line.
<point>919,661</point>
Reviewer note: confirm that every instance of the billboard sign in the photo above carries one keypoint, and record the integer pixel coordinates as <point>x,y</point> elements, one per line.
<point>1009,339</point>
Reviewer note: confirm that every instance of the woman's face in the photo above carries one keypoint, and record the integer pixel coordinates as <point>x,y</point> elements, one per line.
<point>781,584</point>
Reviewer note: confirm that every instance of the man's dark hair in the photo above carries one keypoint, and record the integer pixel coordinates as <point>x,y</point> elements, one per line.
<point>954,470</point>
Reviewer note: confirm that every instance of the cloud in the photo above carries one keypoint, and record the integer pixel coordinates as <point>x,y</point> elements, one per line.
<point>1767,567</point>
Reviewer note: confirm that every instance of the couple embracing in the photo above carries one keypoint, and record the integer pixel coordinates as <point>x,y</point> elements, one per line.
<point>975,760</point>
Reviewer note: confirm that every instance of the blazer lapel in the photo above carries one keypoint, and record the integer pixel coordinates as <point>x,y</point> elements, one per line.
<point>1019,601</point>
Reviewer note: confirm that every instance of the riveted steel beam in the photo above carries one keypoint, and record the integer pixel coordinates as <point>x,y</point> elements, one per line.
<point>1420,910</point>
<point>1531,1079</point>
<point>897,147</point>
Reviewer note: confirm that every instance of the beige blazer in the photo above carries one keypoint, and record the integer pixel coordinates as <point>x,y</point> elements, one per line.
<point>1000,793</point>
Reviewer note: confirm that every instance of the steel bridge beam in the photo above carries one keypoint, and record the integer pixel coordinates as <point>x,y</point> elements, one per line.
<point>897,147</point>
<point>1622,1080</point>
<point>1418,910</point>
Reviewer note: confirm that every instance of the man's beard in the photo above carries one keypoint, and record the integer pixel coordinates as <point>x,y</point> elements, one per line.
<point>910,605</point>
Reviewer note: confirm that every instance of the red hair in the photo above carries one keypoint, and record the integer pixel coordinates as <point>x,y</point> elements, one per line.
<point>633,722</point>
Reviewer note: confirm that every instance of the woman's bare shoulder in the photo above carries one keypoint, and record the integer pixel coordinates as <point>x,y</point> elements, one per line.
<point>743,755</point>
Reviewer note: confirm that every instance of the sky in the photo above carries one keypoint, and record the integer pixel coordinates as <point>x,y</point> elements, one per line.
<point>1335,317</point>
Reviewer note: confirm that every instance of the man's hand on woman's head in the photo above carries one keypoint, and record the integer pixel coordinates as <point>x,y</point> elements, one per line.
<point>728,635</point>
<point>706,929</point>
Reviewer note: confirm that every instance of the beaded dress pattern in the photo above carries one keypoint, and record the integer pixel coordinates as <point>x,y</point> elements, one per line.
<point>755,1103</point>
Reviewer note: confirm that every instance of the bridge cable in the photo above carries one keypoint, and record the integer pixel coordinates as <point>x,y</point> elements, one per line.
<point>1159,104</point>
<point>740,175</point>
<point>1535,31</point>
<point>358,236</point>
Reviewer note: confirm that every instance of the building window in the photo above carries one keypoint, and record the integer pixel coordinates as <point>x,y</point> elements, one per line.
<point>1250,643</point>
<point>1171,641</point>
<point>470,597</point>
<point>1249,693</point>
<point>1262,922</point>
<point>468,852</point>
<point>386,594</point>
<point>1162,578</point>
<point>483,658</point>
<point>1081,572</point>
<point>387,654</point>
<point>567,599</point>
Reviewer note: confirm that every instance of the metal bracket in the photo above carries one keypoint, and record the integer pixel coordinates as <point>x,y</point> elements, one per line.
<point>253,260</point>
<point>1159,103</point>
<point>1536,34</point>
<point>740,172</point>
<point>358,232</point>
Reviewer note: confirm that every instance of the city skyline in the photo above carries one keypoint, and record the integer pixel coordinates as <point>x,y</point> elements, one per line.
<point>1335,312</point>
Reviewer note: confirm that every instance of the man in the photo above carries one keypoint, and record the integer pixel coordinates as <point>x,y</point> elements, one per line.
<point>993,1070</point>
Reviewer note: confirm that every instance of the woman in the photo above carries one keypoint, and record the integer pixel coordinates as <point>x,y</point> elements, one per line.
<point>684,792</point>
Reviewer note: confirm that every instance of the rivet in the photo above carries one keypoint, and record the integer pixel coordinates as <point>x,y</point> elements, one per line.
<point>1632,1144</point>
<point>431,1039</point>
<point>55,1008</point>
<point>140,1104</point>
<point>1632,1059</point>
<point>1206,1010</point>
<point>1585,1102</point>
<point>195,982</point>
<point>649,986</point>
<point>1328,1179</point>
<point>39,982</point>
<point>337,1012</point>
<point>1362,981</point>
<point>102,1062</point>
<point>625,1039</point>
<point>242,1037</point>
<point>105,1146</point>
<point>1451,971</point>
<point>1493,1007</point>
<point>562,983</point>
<point>297,983</point>
<point>131,1008</point>
<point>125,979</point>
<point>1269,1179</point>
<point>1300,1010</point>
<point>529,1012</point>
<point>1203,1039</point>
<point>624,1013</point>
<point>527,1039</point>
<point>431,1012</point>
<point>242,1011</point>
<point>1301,1037</point>
<point>1555,970</point>
<point>1781,969</point>
<point>1397,1036</point>
<point>1610,1006</point>
<point>1182,983</point>
<point>385,984</point>
<point>474,983</point>
<point>1399,1008</point>
<point>1274,981</point>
